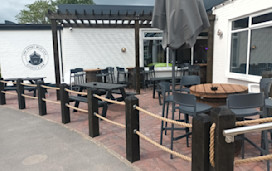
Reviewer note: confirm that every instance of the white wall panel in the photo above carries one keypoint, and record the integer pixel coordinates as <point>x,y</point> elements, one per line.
<point>12,45</point>
<point>97,48</point>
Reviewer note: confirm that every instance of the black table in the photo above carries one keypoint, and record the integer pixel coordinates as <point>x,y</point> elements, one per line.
<point>31,80</point>
<point>109,88</point>
<point>156,80</point>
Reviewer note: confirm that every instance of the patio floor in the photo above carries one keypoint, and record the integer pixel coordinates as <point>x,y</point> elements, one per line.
<point>113,137</point>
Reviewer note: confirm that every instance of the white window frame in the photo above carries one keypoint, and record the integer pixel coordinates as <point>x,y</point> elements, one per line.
<point>241,76</point>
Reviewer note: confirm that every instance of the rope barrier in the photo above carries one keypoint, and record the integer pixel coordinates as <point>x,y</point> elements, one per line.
<point>243,123</point>
<point>163,147</point>
<point>30,85</point>
<point>9,93</point>
<point>253,159</point>
<point>5,82</point>
<point>76,108</point>
<point>76,92</point>
<point>31,97</point>
<point>164,119</point>
<point>107,120</point>
<point>50,101</point>
<point>109,100</point>
<point>211,150</point>
<point>53,88</point>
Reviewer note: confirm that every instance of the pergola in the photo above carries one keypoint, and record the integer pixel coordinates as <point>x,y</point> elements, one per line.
<point>95,16</point>
<point>103,16</point>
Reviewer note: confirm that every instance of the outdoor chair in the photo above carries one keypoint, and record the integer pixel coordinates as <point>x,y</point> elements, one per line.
<point>194,70</point>
<point>246,105</point>
<point>187,81</point>
<point>104,74</point>
<point>121,75</point>
<point>111,74</point>
<point>150,74</point>
<point>186,104</point>
<point>77,76</point>
<point>167,99</point>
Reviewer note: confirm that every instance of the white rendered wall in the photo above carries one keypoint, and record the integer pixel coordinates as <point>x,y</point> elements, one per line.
<point>221,51</point>
<point>97,48</point>
<point>12,45</point>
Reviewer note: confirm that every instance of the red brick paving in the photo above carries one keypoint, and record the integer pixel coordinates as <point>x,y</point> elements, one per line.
<point>113,137</point>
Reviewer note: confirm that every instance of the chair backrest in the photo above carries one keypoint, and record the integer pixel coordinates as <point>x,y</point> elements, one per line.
<point>165,87</point>
<point>243,101</point>
<point>185,100</point>
<point>264,82</point>
<point>267,90</point>
<point>193,69</point>
<point>189,80</point>
<point>152,71</point>
<point>119,69</point>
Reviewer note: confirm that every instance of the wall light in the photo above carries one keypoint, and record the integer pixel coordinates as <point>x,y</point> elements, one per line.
<point>123,49</point>
<point>220,33</point>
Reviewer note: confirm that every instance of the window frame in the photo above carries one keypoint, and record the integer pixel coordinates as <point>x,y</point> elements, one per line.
<point>246,76</point>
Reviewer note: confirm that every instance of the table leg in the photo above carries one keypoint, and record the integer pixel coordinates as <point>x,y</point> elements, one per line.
<point>124,95</point>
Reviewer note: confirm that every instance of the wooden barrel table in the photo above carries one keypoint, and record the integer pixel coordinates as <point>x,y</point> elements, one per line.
<point>215,94</point>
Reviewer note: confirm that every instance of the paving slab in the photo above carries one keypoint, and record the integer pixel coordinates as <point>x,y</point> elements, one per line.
<point>31,143</point>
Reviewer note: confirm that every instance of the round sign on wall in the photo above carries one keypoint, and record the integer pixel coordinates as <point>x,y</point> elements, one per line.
<point>35,57</point>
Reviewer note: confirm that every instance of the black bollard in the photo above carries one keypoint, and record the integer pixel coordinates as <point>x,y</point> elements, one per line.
<point>41,95</point>
<point>93,108</point>
<point>64,99</point>
<point>132,123</point>
<point>200,142</point>
<point>2,95</point>
<point>20,91</point>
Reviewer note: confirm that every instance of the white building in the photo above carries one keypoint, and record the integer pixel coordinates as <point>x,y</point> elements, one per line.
<point>242,41</point>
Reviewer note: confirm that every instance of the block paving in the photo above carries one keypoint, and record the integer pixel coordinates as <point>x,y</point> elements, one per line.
<point>113,137</point>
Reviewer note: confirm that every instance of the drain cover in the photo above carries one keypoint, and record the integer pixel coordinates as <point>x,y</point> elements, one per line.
<point>34,159</point>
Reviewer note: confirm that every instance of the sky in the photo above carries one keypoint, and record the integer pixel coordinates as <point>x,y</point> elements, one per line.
<point>10,8</point>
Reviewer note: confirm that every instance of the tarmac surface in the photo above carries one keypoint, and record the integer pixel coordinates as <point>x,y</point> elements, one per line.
<point>30,143</point>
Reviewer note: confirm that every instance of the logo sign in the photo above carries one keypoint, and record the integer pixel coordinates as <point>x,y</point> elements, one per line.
<point>35,57</point>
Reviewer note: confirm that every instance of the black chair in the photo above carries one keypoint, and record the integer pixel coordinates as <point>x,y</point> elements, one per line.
<point>104,74</point>
<point>186,103</point>
<point>77,76</point>
<point>150,74</point>
<point>246,105</point>
<point>111,74</point>
<point>167,98</point>
<point>187,81</point>
<point>194,70</point>
<point>121,75</point>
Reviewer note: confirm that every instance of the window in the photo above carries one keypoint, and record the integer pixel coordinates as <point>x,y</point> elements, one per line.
<point>251,45</point>
<point>153,52</point>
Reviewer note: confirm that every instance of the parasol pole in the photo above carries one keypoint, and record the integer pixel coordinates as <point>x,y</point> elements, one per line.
<point>172,53</point>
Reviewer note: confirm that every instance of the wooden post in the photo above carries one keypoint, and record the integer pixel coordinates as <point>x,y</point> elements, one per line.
<point>200,142</point>
<point>2,95</point>
<point>92,108</point>
<point>137,53</point>
<point>64,99</point>
<point>41,95</point>
<point>20,91</point>
<point>56,55</point>
<point>132,123</point>
<point>224,152</point>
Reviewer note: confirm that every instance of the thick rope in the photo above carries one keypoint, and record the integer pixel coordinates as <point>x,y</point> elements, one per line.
<point>212,130</point>
<point>76,108</point>
<point>50,101</point>
<point>31,97</point>
<point>30,85</point>
<point>242,123</point>
<point>5,82</point>
<point>107,120</point>
<point>183,124</point>
<point>76,92</point>
<point>109,100</point>
<point>53,88</point>
<point>9,93</point>
<point>253,159</point>
<point>163,147</point>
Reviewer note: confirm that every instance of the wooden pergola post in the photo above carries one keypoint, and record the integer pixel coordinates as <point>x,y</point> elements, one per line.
<point>56,54</point>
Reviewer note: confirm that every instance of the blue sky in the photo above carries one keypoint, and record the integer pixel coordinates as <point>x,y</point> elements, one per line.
<point>10,8</point>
